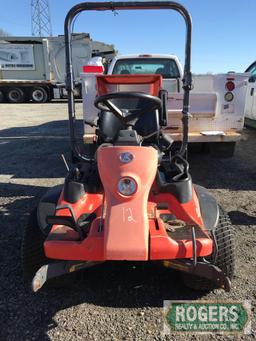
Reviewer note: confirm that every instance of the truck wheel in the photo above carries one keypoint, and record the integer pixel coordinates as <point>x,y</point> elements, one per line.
<point>225,256</point>
<point>16,95</point>
<point>1,96</point>
<point>39,95</point>
<point>222,149</point>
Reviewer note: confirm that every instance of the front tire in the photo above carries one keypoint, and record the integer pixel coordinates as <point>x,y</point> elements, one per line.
<point>32,250</point>
<point>225,256</point>
<point>33,257</point>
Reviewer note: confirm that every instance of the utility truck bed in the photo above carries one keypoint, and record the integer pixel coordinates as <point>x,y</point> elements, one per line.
<point>217,102</point>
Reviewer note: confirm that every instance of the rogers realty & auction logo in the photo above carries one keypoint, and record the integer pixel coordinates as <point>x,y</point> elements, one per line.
<point>207,317</point>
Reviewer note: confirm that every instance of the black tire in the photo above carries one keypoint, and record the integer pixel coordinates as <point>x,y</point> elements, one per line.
<point>39,95</point>
<point>1,96</point>
<point>33,257</point>
<point>16,95</point>
<point>225,256</point>
<point>32,251</point>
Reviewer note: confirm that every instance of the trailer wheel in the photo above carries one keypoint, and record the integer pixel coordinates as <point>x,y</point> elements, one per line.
<point>225,256</point>
<point>39,95</point>
<point>1,96</point>
<point>16,95</point>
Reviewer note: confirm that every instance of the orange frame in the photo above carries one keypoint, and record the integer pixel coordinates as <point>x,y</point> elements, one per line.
<point>155,82</point>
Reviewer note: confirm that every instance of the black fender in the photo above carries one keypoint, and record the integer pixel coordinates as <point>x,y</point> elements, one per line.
<point>208,206</point>
<point>47,206</point>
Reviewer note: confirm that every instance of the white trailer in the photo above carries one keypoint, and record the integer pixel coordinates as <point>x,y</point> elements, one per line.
<point>33,68</point>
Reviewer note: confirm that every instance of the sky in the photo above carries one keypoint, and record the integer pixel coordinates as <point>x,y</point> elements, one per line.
<point>223,39</point>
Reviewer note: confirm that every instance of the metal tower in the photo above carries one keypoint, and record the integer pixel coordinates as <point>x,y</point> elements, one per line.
<point>40,18</point>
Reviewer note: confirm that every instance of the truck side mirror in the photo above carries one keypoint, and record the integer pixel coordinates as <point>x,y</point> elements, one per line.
<point>252,79</point>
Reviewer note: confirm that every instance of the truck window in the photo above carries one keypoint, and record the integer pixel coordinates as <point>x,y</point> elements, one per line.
<point>252,69</point>
<point>165,67</point>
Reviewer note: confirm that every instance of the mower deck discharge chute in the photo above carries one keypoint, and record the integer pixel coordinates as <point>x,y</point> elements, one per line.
<point>133,198</point>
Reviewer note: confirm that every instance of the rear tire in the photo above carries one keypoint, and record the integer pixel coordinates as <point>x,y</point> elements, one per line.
<point>16,95</point>
<point>225,256</point>
<point>32,251</point>
<point>39,95</point>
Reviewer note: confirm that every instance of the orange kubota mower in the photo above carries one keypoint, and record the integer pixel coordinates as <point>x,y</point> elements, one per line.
<point>133,200</point>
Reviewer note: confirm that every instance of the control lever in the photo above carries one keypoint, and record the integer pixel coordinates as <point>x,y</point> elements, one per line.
<point>166,141</point>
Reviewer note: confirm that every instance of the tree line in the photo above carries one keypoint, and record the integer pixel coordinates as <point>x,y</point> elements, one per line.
<point>3,33</point>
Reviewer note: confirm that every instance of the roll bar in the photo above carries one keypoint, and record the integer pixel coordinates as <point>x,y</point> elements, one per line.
<point>136,5</point>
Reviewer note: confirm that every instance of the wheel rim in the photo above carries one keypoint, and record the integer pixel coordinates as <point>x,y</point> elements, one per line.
<point>38,95</point>
<point>15,95</point>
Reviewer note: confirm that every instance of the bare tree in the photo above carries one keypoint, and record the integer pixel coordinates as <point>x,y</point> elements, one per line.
<point>3,33</point>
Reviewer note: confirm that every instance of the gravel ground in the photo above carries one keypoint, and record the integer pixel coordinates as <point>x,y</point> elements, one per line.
<point>111,302</point>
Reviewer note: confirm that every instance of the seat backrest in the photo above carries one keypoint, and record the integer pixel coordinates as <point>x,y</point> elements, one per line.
<point>148,124</point>
<point>108,126</point>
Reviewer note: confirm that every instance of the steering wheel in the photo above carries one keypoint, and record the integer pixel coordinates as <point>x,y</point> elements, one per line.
<point>105,103</point>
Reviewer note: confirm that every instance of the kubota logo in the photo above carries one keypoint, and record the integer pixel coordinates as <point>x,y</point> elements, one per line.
<point>126,157</point>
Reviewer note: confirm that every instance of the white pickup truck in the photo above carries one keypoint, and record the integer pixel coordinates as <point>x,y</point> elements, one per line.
<point>250,109</point>
<point>217,104</point>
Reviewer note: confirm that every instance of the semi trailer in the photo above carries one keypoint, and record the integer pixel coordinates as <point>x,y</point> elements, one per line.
<point>33,68</point>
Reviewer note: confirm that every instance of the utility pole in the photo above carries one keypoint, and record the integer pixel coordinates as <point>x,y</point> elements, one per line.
<point>40,18</point>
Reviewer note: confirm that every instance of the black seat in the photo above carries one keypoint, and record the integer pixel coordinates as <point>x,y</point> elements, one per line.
<point>109,125</point>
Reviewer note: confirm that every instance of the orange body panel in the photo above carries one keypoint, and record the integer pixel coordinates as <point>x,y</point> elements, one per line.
<point>189,211</point>
<point>161,246</point>
<point>91,248</point>
<point>164,247</point>
<point>126,228</point>
<point>154,81</point>
<point>132,226</point>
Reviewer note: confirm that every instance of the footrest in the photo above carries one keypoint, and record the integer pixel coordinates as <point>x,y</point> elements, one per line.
<point>62,233</point>
<point>61,220</point>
